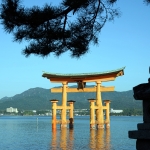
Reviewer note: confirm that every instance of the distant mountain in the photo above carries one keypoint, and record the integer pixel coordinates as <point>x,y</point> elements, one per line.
<point>38,99</point>
<point>4,98</point>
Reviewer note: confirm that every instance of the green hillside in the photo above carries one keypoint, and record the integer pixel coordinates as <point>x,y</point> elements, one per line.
<point>38,99</point>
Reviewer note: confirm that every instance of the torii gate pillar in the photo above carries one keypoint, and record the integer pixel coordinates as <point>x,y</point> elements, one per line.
<point>71,116</point>
<point>107,114</point>
<point>99,111</point>
<point>64,105</point>
<point>54,118</point>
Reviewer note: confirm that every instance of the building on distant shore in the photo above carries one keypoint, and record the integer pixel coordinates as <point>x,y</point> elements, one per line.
<point>115,111</point>
<point>11,110</point>
<point>34,111</point>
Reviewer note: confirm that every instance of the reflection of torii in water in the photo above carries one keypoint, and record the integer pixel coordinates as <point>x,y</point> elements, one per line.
<point>99,139</point>
<point>81,80</point>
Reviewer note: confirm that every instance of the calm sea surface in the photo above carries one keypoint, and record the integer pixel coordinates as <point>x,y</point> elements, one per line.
<point>30,133</point>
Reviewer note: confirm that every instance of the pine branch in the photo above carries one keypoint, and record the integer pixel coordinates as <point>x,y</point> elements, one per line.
<point>49,30</point>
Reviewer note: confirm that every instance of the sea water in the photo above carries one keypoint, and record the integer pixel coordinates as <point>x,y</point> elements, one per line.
<point>34,133</point>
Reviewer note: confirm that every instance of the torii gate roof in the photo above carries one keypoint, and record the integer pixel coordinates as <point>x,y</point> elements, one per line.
<point>85,77</point>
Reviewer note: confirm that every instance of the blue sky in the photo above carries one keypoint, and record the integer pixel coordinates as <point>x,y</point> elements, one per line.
<point>123,42</point>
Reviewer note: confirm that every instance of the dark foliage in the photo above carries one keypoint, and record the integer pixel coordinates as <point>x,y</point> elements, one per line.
<point>147,1</point>
<point>71,26</point>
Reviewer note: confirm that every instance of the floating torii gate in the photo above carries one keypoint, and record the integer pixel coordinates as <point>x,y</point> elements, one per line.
<point>81,80</point>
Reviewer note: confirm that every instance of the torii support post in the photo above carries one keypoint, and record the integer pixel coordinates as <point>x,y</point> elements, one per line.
<point>92,113</point>
<point>99,111</point>
<point>64,105</point>
<point>54,117</point>
<point>71,116</point>
<point>107,107</point>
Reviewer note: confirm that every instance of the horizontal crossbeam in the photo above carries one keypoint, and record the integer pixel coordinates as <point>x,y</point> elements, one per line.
<point>90,89</point>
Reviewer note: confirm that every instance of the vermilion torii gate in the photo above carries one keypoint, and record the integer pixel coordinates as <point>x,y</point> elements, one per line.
<point>81,80</point>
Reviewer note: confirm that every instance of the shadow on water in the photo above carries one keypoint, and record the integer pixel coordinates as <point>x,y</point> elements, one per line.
<point>64,139</point>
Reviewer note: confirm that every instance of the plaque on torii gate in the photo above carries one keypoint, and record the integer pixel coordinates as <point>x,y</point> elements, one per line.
<point>81,80</point>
